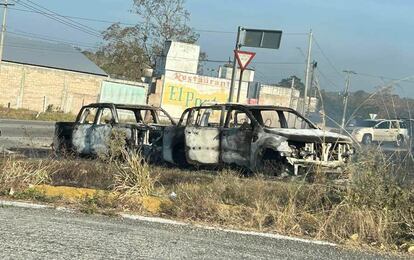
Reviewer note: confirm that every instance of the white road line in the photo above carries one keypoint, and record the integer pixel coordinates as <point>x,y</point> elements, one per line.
<point>20,204</point>
<point>173,222</point>
<point>153,219</point>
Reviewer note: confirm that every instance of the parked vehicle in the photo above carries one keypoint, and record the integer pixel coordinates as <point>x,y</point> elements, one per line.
<point>380,130</point>
<point>269,139</point>
<point>91,132</point>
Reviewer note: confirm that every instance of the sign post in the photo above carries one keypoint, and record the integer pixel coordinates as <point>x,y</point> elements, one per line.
<point>243,59</point>
<point>255,38</point>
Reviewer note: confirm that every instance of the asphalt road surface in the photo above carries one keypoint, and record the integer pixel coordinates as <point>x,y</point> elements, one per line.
<point>51,234</point>
<point>22,134</point>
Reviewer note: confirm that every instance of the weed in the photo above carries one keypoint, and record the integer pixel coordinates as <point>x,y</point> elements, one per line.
<point>133,176</point>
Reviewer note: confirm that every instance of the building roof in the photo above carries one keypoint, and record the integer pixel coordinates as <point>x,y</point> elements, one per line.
<point>47,54</point>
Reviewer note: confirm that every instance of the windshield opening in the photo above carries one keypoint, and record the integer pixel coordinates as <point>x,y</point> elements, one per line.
<point>281,119</point>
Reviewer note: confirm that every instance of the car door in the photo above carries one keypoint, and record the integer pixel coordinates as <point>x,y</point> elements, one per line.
<point>237,137</point>
<point>82,131</point>
<point>202,137</point>
<point>173,147</point>
<point>102,130</point>
<point>382,131</point>
<point>394,131</point>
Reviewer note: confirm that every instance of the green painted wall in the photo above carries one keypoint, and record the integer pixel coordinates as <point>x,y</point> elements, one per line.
<point>121,93</point>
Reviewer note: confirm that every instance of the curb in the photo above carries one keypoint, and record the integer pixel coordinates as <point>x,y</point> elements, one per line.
<point>158,220</point>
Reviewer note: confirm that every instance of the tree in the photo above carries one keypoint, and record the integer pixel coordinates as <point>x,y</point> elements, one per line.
<point>126,51</point>
<point>287,83</point>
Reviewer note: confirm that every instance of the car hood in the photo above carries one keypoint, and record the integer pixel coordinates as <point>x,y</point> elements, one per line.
<point>309,135</point>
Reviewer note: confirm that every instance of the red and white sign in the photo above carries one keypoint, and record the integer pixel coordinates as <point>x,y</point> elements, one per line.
<point>244,58</point>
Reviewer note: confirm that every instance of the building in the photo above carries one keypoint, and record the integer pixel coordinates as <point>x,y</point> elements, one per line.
<point>37,75</point>
<point>178,86</point>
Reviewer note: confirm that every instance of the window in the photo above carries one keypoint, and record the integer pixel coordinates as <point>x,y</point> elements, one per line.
<point>126,116</point>
<point>208,117</point>
<point>270,118</point>
<point>383,125</point>
<point>147,116</point>
<point>105,117</point>
<point>88,115</point>
<point>394,124</point>
<point>238,119</point>
<point>403,125</point>
<point>296,121</point>
<point>163,118</point>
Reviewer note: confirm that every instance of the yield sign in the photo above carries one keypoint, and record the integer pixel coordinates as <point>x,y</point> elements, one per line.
<point>244,58</point>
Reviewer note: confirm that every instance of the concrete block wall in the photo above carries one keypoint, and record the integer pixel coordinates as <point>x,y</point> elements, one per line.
<point>34,88</point>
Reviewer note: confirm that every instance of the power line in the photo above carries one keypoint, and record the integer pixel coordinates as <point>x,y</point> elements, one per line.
<point>53,17</point>
<point>47,38</point>
<point>70,20</point>
<point>132,24</point>
<point>327,58</point>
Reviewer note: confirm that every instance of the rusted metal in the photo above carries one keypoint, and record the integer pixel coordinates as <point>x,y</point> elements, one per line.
<point>248,145</point>
<point>92,138</point>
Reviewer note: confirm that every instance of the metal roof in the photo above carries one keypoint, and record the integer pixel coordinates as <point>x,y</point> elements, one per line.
<point>47,54</point>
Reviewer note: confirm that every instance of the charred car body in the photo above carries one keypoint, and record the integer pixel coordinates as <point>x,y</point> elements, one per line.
<point>261,138</point>
<point>141,125</point>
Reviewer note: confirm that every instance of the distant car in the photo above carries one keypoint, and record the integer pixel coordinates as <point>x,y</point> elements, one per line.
<point>380,130</point>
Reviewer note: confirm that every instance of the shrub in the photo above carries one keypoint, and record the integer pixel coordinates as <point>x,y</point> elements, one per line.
<point>132,175</point>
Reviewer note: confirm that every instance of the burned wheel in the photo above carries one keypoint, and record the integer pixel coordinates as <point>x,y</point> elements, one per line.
<point>400,141</point>
<point>270,163</point>
<point>367,139</point>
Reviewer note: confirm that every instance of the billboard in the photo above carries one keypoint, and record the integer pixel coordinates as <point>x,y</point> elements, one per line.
<point>183,90</point>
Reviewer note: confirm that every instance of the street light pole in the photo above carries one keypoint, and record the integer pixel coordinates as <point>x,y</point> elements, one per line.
<point>308,67</point>
<point>233,75</point>
<point>346,95</point>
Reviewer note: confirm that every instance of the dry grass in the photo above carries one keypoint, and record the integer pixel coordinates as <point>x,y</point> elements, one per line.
<point>20,174</point>
<point>372,209</point>
<point>25,114</point>
<point>132,175</point>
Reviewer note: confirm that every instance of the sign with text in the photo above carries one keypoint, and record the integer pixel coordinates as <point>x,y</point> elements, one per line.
<point>244,58</point>
<point>183,90</point>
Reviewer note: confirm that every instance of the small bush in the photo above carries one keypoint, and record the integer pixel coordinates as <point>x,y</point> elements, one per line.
<point>132,175</point>
<point>18,174</point>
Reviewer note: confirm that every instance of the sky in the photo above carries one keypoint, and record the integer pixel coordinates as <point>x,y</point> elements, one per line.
<point>371,37</point>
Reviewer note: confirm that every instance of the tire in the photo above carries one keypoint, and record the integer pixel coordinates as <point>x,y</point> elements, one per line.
<point>400,141</point>
<point>270,163</point>
<point>367,139</point>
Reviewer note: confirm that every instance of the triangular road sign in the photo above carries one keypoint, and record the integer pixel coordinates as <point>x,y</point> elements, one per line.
<point>244,58</point>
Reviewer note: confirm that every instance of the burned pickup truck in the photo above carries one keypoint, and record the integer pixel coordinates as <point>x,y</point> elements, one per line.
<point>266,139</point>
<point>90,134</point>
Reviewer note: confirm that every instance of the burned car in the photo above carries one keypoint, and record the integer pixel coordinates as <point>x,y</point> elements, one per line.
<point>267,139</point>
<point>90,134</point>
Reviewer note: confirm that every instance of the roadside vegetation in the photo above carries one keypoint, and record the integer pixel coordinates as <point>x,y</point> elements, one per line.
<point>371,209</point>
<point>51,114</point>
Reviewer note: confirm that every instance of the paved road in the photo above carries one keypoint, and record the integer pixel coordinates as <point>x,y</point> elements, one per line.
<point>22,134</point>
<point>51,234</point>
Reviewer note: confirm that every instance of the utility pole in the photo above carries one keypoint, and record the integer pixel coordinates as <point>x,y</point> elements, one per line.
<point>3,28</point>
<point>308,68</point>
<point>233,75</point>
<point>314,65</point>
<point>346,95</point>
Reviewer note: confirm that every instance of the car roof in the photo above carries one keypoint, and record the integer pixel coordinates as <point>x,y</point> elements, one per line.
<point>247,106</point>
<point>123,106</point>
